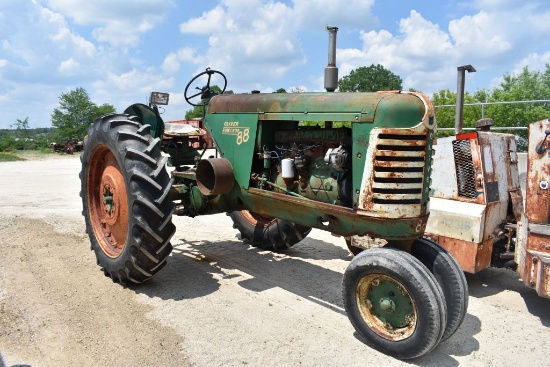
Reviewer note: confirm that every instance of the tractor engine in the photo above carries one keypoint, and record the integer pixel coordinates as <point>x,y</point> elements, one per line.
<point>310,162</point>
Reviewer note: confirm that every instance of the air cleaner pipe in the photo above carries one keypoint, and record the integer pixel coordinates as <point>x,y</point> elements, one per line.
<point>460,96</point>
<point>331,71</point>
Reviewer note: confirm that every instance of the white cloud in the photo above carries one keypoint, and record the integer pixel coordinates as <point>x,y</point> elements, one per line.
<point>124,21</point>
<point>57,45</point>
<point>266,35</point>
<point>534,61</point>
<point>126,88</point>
<point>425,54</point>
<point>173,60</point>
<point>262,35</point>
<point>209,22</point>
<point>481,34</point>
<point>500,30</point>
<point>418,52</point>
<point>42,51</point>
<point>133,81</point>
<point>69,67</point>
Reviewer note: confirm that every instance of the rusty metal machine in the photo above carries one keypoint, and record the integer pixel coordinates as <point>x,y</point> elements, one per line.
<point>354,164</point>
<point>478,212</point>
<point>475,194</point>
<point>533,235</point>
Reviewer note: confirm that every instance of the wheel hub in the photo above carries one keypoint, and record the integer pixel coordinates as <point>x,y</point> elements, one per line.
<point>386,306</point>
<point>108,199</point>
<point>108,203</point>
<point>111,194</point>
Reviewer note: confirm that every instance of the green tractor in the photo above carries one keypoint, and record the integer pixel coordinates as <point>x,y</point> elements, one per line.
<point>355,164</point>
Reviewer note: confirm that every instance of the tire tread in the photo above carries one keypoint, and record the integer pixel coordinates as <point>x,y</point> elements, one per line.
<point>148,185</point>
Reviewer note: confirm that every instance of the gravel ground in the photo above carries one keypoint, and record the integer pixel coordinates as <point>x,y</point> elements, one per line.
<point>218,302</point>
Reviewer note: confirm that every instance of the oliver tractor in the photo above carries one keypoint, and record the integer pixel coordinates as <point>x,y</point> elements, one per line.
<point>359,168</point>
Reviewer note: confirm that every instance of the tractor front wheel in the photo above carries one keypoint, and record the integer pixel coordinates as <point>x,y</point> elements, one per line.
<point>125,197</point>
<point>266,232</point>
<point>450,278</point>
<point>394,302</point>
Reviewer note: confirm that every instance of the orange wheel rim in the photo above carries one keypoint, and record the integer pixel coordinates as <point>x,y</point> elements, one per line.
<point>107,202</point>
<point>256,219</point>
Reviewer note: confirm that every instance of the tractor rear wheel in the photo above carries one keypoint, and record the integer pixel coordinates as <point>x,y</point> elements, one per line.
<point>450,277</point>
<point>394,302</point>
<point>266,232</point>
<point>125,198</point>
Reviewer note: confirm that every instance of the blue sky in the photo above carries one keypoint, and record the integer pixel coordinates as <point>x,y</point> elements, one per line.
<point>120,51</point>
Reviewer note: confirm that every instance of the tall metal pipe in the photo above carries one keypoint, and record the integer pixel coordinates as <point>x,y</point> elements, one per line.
<point>460,96</point>
<point>331,71</point>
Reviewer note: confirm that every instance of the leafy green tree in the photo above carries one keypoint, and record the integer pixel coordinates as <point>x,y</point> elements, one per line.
<point>21,128</point>
<point>196,112</point>
<point>7,141</point>
<point>75,113</point>
<point>103,110</point>
<point>370,79</point>
<point>23,136</point>
<point>525,86</point>
<point>445,116</point>
<point>199,111</point>
<point>280,90</point>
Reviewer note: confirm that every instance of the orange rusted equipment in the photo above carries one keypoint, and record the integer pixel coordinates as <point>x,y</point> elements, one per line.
<point>533,239</point>
<point>477,207</point>
<point>475,191</point>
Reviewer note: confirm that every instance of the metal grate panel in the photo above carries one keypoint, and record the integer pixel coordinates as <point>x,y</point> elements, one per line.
<point>399,169</point>
<point>464,166</point>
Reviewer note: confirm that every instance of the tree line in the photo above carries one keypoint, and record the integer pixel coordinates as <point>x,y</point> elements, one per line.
<point>76,111</point>
<point>70,120</point>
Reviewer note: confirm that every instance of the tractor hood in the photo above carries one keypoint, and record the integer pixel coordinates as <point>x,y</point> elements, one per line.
<point>406,109</point>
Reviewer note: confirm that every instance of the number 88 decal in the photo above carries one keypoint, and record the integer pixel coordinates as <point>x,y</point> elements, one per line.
<point>243,136</point>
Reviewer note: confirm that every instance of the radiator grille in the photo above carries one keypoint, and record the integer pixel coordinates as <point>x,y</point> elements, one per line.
<point>464,165</point>
<point>399,169</point>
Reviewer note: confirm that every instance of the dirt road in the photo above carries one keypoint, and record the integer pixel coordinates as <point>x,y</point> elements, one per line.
<point>218,302</point>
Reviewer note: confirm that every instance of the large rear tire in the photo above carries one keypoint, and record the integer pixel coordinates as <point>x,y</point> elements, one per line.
<point>394,302</point>
<point>450,277</point>
<point>266,232</point>
<point>125,198</point>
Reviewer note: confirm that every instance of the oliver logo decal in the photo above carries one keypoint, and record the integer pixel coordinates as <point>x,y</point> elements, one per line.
<point>242,133</point>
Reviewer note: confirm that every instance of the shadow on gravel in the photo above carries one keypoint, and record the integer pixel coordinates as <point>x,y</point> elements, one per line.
<point>182,278</point>
<point>461,344</point>
<point>194,268</point>
<point>493,281</point>
<point>314,249</point>
<point>2,364</point>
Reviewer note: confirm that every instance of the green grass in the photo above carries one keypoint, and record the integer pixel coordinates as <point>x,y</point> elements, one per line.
<point>9,157</point>
<point>24,155</point>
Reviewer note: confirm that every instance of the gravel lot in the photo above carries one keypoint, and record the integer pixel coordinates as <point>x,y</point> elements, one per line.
<point>218,302</point>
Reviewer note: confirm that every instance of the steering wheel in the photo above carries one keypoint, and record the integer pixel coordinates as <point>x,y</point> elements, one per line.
<point>205,92</point>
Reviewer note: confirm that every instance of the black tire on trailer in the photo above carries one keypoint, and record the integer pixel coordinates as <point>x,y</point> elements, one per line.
<point>125,198</point>
<point>450,277</point>
<point>394,302</point>
<point>266,232</point>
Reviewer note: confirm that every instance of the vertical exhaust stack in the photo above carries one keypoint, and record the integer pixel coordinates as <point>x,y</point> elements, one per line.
<point>460,96</point>
<point>331,71</point>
